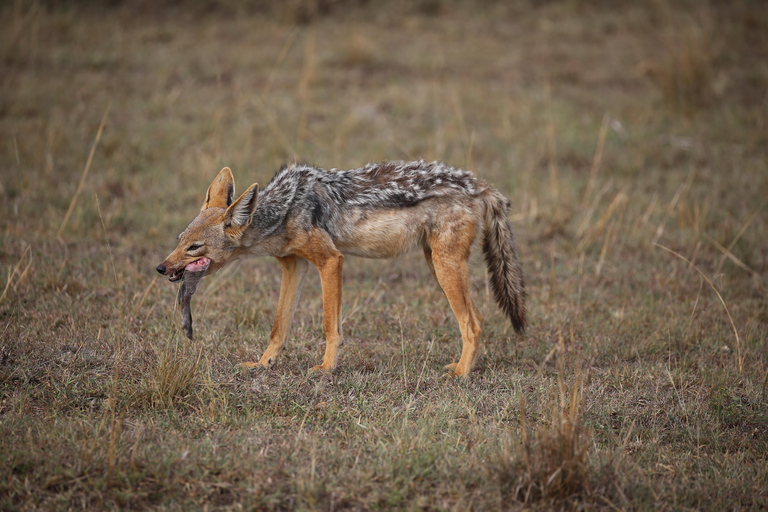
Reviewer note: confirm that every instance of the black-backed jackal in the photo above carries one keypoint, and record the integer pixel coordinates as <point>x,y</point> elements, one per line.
<point>309,215</point>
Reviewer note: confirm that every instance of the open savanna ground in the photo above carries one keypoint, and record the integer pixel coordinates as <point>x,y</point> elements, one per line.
<point>632,141</point>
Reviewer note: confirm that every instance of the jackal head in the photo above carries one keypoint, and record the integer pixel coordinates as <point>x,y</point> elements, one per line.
<point>216,233</point>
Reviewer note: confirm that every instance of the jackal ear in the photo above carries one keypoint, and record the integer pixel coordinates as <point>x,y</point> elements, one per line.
<point>240,213</point>
<point>221,192</point>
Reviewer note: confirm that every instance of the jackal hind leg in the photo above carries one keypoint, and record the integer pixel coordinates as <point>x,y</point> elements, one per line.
<point>294,272</point>
<point>330,279</point>
<point>452,273</point>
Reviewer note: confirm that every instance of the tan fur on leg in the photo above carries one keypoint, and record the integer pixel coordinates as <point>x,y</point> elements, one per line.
<point>428,257</point>
<point>317,247</point>
<point>294,272</point>
<point>452,271</point>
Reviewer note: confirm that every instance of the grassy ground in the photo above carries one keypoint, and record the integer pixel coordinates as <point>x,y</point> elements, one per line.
<point>632,142</point>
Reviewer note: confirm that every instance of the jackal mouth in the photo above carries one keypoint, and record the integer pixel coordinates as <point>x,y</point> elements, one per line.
<point>199,265</point>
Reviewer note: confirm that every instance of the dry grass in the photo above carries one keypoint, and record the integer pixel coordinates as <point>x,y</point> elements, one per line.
<point>685,71</point>
<point>173,374</point>
<point>552,466</point>
<point>640,384</point>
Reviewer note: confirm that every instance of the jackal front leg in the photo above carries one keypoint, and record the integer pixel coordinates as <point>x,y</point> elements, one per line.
<point>317,247</point>
<point>294,271</point>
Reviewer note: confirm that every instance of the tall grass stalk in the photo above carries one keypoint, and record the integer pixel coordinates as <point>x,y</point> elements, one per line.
<point>12,273</point>
<point>739,355</point>
<point>727,252</point>
<point>86,169</point>
<point>554,172</point>
<point>596,160</point>
<point>305,88</point>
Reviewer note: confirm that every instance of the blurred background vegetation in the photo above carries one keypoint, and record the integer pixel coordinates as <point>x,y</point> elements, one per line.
<point>621,131</point>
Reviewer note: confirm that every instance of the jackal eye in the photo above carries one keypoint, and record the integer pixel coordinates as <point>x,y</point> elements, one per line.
<point>195,246</point>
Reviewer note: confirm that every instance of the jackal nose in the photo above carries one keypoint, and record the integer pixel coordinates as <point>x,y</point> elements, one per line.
<point>161,268</point>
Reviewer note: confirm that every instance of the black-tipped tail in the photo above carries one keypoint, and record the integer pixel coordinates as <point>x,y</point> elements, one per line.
<point>500,251</point>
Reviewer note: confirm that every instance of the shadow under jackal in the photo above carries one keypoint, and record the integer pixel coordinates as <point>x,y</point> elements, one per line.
<point>310,215</point>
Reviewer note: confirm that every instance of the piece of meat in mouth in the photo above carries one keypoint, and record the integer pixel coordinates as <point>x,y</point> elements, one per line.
<point>192,275</point>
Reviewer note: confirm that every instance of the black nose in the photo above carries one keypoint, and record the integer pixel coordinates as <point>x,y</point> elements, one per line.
<point>161,268</point>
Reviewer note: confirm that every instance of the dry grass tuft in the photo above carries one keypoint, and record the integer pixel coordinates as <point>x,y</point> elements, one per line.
<point>551,463</point>
<point>685,72</point>
<point>173,373</point>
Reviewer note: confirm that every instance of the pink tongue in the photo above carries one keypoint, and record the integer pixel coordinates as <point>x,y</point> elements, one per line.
<point>198,265</point>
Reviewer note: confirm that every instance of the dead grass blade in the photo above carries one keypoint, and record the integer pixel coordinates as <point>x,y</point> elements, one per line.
<point>679,193</point>
<point>356,306</point>
<point>86,169</point>
<point>617,205</point>
<point>469,150</point>
<point>554,174</point>
<point>608,241</point>
<point>424,366</point>
<point>305,87</point>
<point>588,215</point>
<point>16,151</point>
<point>693,260</point>
<point>739,356</point>
<point>738,236</point>
<point>596,160</point>
<point>459,112</point>
<point>15,270</point>
<point>146,292</point>
<point>283,52</point>
<point>551,294</point>
<point>274,127</point>
<point>729,255</point>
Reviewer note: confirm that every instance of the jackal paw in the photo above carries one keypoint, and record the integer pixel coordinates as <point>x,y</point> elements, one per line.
<point>321,369</point>
<point>454,371</point>
<point>252,366</point>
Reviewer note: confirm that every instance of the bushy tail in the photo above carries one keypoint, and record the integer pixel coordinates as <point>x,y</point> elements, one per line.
<point>500,253</point>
